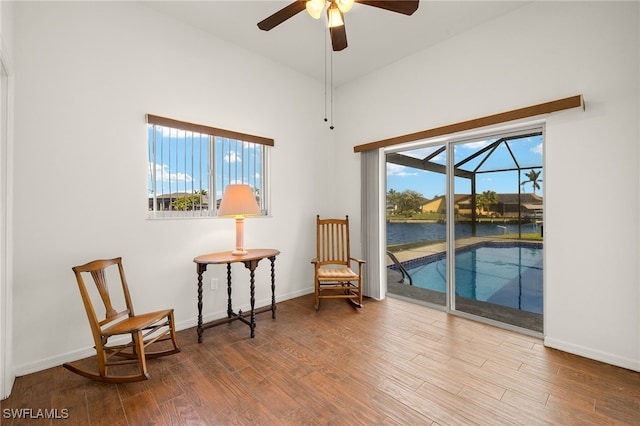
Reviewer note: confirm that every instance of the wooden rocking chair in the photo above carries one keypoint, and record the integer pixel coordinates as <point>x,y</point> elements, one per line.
<point>334,278</point>
<point>145,330</point>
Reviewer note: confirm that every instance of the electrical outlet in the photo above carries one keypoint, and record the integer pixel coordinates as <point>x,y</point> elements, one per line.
<point>214,284</point>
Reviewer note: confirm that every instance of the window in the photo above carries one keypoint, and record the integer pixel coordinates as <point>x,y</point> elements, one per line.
<point>190,166</point>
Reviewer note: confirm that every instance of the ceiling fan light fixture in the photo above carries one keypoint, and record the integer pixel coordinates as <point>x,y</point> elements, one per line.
<point>314,8</point>
<point>344,5</point>
<point>334,16</point>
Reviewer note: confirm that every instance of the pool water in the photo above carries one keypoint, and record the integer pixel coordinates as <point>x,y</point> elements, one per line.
<point>507,274</point>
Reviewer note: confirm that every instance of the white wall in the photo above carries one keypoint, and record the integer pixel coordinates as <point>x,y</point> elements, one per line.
<point>86,75</point>
<point>541,52</point>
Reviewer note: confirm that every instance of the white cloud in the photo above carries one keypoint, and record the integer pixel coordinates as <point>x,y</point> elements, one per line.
<point>232,157</point>
<point>476,145</point>
<point>537,149</point>
<point>164,174</point>
<point>398,170</point>
<point>171,132</point>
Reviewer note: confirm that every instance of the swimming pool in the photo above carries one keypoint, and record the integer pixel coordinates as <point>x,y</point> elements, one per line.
<point>504,273</point>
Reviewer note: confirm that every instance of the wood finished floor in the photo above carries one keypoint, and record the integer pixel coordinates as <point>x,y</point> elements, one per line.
<point>390,363</point>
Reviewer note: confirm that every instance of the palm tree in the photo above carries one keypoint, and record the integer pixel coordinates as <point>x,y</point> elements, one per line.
<point>392,199</point>
<point>488,198</point>
<point>480,203</point>
<point>485,200</point>
<point>410,202</point>
<point>533,178</point>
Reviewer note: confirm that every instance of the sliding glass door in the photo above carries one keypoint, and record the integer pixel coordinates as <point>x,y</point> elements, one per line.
<point>417,223</point>
<point>498,228</point>
<point>465,225</point>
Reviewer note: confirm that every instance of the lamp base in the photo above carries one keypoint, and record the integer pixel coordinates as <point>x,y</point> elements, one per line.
<point>239,251</point>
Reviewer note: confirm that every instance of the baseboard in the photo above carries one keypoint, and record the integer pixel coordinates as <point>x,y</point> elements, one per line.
<point>8,385</point>
<point>54,361</point>
<point>594,354</point>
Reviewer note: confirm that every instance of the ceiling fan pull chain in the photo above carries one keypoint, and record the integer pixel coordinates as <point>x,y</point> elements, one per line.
<point>328,99</point>
<point>325,78</point>
<point>331,88</point>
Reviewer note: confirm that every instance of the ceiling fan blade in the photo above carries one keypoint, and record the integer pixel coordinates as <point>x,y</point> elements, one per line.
<point>406,7</point>
<point>282,15</point>
<point>338,38</point>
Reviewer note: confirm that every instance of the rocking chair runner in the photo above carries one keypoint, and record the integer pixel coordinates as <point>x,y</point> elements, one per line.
<point>145,330</point>
<point>334,279</point>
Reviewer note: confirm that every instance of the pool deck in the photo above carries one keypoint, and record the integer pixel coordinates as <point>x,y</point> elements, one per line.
<point>434,248</point>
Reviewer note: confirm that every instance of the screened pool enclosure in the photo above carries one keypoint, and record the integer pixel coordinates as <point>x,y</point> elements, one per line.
<point>464,225</point>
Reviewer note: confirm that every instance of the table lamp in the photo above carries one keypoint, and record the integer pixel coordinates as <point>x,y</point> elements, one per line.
<point>238,201</point>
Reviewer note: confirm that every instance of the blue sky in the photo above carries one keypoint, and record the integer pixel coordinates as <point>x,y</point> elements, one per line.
<point>182,162</point>
<point>527,151</point>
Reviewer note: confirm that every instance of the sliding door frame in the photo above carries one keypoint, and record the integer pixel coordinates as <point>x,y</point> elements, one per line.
<point>449,141</point>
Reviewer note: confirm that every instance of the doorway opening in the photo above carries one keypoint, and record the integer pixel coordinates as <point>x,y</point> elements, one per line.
<point>465,228</point>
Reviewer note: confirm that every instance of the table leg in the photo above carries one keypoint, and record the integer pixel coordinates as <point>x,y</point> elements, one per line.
<point>273,286</point>
<point>229,304</point>
<point>251,265</point>
<point>201,268</point>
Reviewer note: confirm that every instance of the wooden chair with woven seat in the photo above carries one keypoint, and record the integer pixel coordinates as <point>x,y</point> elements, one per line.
<point>145,330</point>
<point>334,277</point>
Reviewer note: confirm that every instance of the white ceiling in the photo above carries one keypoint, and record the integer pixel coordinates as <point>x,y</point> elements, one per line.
<point>376,37</point>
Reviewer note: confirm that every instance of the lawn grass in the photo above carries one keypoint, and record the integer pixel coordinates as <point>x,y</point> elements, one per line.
<point>533,236</point>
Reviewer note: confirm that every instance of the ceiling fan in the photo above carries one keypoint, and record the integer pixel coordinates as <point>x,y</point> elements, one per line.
<point>335,14</point>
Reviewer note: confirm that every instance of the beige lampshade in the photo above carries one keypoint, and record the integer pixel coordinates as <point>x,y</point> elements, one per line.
<point>238,200</point>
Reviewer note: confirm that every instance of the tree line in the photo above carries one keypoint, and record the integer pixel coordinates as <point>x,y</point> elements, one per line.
<point>409,202</point>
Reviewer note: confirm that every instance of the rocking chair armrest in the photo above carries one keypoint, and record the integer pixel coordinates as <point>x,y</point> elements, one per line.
<point>360,263</point>
<point>315,260</point>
